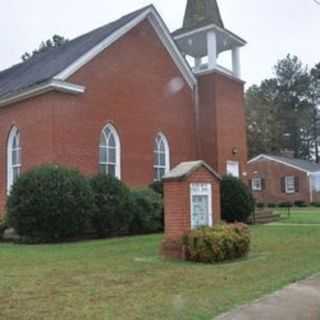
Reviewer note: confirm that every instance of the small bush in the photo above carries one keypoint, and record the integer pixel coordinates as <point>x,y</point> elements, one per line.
<point>110,214</point>
<point>315,204</point>
<point>260,205</point>
<point>217,244</point>
<point>145,212</point>
<point>157,187</point>
<point>237,202</point>
<point>272,205</point>
<point>50,204</point>
<point>300,204</point>
<point>3,226</point>
<point>285,205</point>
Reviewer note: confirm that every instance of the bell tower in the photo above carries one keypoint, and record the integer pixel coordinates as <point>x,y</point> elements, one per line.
<point>219,107</point>
<point>204,37</point>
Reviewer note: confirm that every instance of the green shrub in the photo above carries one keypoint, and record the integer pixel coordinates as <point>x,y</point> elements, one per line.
<point>217,244</point>
<point>260,205</point>
<point>237,202</point>
<point>285,205</point>
<point>110,214</point>
<point>145,212</point>
<point>3,226</point>
<point>315,204</point>
<point>50,204</point>
<point>272,205</point>
<point>300,204</point>
<point>157,187</point>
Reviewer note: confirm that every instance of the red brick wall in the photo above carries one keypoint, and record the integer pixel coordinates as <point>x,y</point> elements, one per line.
<point>272,172</point>
<point>128,85</point>
<point>222,121</point>
<point>34,119</point>
<point>177,203</point>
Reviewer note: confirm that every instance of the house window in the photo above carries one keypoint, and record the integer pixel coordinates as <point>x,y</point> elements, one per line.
<point>161,157</point>
<point>14,163</point>
<point>109,152</point>
<point>256,184</point>
<point>290,184</point>
<point>201,205</point>
<point>233,169</point>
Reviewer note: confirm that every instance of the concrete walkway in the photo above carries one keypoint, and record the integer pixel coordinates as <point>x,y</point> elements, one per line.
<point>300,301</point>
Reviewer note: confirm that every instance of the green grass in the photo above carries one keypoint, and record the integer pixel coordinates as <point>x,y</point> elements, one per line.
<point>300,216</point>
<point>126,279</point>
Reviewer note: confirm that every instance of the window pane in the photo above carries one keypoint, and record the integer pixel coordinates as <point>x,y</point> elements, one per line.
<point>162,159</point>
<point>112,170</point>
<point>103,155</point>
<point>102,169</point>
<point>111,155</point>
<point>102,140</point>
<point>14,157</point>
<point>112,141</point>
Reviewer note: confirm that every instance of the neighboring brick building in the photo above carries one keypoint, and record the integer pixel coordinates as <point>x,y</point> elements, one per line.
<point>124,100</point>
<point>276,179</point>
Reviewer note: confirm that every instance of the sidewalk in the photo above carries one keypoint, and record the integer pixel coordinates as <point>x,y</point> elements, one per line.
<point>300,301</point>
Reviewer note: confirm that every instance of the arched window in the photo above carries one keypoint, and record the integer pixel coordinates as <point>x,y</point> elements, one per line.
<point>161,157</point>
<point>13,157</point>
<point>109,152</point>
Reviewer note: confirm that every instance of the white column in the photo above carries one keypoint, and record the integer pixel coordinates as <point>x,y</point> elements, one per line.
<point>236,65</point>
<point>212,49</point>
<point>197,62</point>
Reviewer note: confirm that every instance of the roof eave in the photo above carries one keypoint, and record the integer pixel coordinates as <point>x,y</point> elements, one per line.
<point>39,89</point>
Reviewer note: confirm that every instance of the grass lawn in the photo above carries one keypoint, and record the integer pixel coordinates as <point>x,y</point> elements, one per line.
<point>126,279</point>
<point>300,216</point>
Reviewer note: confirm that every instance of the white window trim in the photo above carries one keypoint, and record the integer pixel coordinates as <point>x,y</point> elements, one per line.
<point>288,191</point>
<point>233,163</point>
<point>201,193</point>
<point>10,166</point>
<point>167,153</point>
<point>118,149</point>
<point>254,185</point>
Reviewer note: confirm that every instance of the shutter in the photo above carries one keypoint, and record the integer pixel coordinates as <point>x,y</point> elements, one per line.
<point>283,184</point>
<point>250,184</point>
<point>297,184</point>
<point>263,184</point>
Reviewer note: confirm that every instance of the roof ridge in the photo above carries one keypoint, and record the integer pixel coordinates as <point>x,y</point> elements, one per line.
<point>133,13</point>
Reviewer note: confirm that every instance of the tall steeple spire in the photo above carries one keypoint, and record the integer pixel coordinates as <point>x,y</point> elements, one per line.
<point>202,12</point>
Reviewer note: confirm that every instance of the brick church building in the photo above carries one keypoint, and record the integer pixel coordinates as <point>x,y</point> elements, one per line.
<point>128,99</point>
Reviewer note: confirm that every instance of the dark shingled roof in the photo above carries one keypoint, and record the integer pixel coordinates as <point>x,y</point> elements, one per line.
<point>48,64</point>
<point>200,13</point>
<point>306,165</point>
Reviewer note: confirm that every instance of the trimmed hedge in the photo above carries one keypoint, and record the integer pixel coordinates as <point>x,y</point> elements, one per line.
<point>237,202</point>
<point>50,204</point>
<point>217,244</point>
<point>3,226</point>
<point>285,205</point>
<point>300,204</point>
<point>111,198</point>
<point>146,209</point>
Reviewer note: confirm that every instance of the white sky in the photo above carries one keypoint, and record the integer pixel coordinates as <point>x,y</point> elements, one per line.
<point>273,28</point>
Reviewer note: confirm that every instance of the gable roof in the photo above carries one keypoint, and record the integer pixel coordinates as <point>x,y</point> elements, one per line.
<point>185,169</point>
<point>299,164</point>
<point>61,62</point>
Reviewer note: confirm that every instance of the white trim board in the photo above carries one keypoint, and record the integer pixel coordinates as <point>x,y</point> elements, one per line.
<point>162,33</point>
<point>263,156</point>
<point>52,85</point>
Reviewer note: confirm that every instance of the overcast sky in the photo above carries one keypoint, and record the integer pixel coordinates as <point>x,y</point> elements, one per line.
<point>273,28</point>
